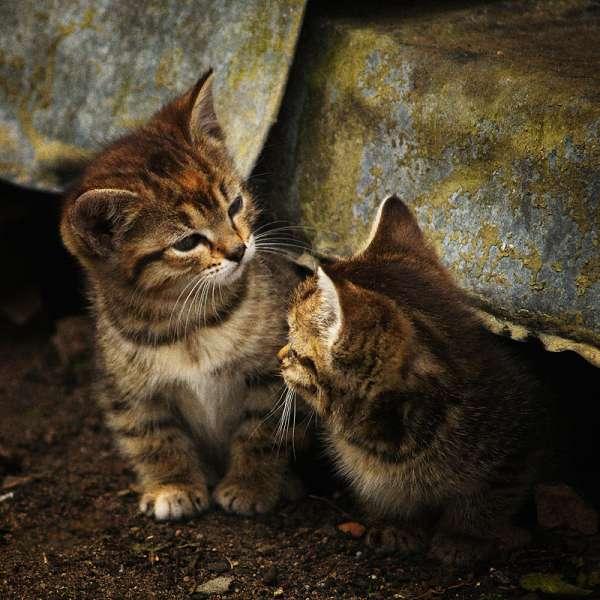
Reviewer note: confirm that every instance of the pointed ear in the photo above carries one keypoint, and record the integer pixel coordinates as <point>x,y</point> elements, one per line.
<point>330,312</point>
<point>203,118</point>
<point>97,216</point>
<point>394,227</point>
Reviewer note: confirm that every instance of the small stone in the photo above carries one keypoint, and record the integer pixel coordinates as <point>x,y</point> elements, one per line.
<point>270,575</point>
<point>218,566</point>
<point>353,529</point>
<point>218,585</point>
<point>7,496</point>
<point>560,507</point>
<point>278,592</point>
<point>265,548</point>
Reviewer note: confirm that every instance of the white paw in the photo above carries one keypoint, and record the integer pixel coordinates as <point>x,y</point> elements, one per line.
<point>173,502</point>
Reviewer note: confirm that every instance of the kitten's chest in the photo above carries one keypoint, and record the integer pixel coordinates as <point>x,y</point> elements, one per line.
<point>213,406</point>
<point>197,359</point>
<point>212,389</point>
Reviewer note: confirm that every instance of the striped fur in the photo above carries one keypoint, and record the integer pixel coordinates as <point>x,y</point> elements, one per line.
<point>188,321</point>
<point>433,419</point>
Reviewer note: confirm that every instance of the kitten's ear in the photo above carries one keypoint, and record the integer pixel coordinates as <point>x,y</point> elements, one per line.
<point>394,227</point>
<point>203,118</point>
<point>95,218</point>
<point>330,314</point>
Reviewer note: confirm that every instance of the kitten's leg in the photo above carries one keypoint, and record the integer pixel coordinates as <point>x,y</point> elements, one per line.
<point>399,539</point>
<point>474,528</point>
<point>162,454</point>
<point>258,474</point>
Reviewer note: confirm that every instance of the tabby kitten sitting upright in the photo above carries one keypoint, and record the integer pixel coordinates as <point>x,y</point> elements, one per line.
<point>434,421</point>
<point>188,324</point>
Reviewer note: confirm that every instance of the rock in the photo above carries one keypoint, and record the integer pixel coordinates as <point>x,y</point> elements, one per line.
<point>559,507</point>
<point>485,120</point>
<point>108,65</point>
<point>269,577</point>
<point>352,528</point>
<point>218,585</point>
<point>73,338</point>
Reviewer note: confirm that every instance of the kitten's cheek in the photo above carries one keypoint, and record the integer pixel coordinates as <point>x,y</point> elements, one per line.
<point>289,374</point>
<point>250,250</point>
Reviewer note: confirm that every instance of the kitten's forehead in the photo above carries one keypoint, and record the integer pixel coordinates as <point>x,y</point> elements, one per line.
<point>192,195</point>
<point>306,305</point>
<point>191,184</point>
<point>304,293</point>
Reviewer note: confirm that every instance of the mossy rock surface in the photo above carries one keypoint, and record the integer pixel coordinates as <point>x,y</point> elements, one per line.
<point>76,74</point>
<point>486,119</point>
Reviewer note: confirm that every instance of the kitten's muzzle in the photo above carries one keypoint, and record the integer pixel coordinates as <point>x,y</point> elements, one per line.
<point>283,353</point>
<point>237,254</point>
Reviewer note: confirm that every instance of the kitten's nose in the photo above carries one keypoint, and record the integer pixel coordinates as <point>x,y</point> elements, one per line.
<point>283,353</point>
<point>237,253</point>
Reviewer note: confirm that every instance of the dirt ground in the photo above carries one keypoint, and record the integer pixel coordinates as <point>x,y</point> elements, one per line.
<point>69,526</point>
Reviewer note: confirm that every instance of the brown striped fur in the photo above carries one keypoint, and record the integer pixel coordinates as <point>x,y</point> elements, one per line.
<point>433,419</point>
<point>188,322</point>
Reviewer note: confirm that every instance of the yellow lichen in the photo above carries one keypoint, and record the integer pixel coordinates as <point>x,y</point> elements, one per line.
<point>167,71</point>
<point>589,275</point>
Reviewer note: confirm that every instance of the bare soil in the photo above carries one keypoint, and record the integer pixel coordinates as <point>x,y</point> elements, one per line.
<point>69,527</point>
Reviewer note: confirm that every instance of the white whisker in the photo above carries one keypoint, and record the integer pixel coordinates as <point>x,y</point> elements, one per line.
<point>191,282</point>
<point>179,318</point>
<point>197,291</point>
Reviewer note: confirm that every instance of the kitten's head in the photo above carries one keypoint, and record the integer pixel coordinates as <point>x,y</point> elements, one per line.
<point>164,205</point>
<point>351,333</point>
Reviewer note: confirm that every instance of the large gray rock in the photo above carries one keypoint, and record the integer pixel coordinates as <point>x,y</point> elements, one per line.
<point>486,120</point>
<point>75,74</point>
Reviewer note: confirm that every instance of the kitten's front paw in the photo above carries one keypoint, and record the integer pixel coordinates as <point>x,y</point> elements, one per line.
<point>388,539</point>
<point>460,551</point>
<point>246,497</point>
<point>174,502</point>
<point>510,538</point>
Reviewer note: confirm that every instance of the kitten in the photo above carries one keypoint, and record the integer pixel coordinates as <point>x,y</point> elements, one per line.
<point>188,323</point>
<point>432,418</point>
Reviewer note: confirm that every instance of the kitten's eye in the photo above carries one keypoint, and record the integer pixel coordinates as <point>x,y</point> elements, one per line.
<point>190,242</point>
<point>234,207</point>
<point>308,363</point>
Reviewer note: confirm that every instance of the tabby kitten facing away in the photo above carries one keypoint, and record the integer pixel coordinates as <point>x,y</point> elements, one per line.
<point>188,324</point>
<point>433,420</point>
